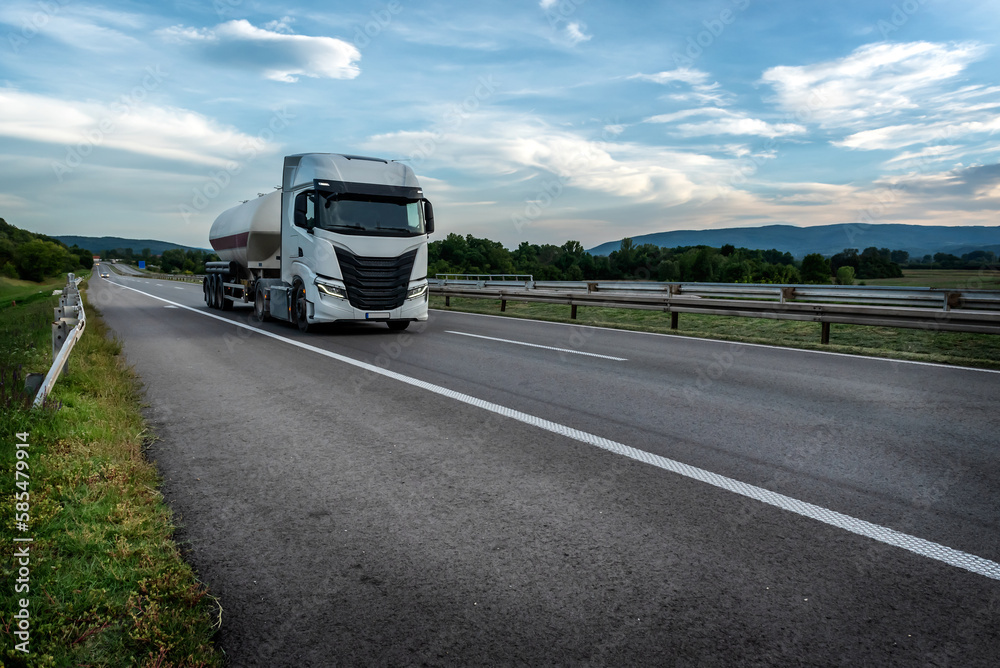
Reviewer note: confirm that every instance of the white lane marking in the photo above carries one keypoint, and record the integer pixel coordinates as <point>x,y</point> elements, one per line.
<point>170,306</point>
<point>536,345</point>
<point>921,546</point>
<point>735,343</point>
<point>177,287</point>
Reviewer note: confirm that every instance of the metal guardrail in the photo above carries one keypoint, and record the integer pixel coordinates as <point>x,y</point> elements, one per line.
<point>919,308</point>
<point>483,280</point>
<point>67,328</point>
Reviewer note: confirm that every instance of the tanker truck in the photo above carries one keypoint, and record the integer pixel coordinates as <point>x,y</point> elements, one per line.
<point>344,240</point>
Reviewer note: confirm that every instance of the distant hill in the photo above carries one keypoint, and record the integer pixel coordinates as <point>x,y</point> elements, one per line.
<point>98,244</point>
<point>917,240</point>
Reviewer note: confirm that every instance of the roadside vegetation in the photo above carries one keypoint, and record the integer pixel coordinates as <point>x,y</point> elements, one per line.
<point>34,257</point>
<point>108,585</point>
<point>456,254</point>
<point>977,350</point>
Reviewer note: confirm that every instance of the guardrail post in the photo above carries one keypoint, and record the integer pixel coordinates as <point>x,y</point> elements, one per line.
<point>787,295</point>
<point>674,319</point>
<point>503,305</point>
<point>59,331</point>
<point>591,286</point>
<point>447,300</point>
<point>824,333</point>
<point>572,313</point>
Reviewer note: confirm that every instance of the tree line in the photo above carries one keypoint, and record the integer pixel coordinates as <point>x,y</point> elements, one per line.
<point>33,257</point>
<point>171,261</point>
<point>570,262</point>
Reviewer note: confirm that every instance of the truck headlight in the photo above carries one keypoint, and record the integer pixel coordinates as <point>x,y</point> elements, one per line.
<point>417,292</point>
<point>331,290</point>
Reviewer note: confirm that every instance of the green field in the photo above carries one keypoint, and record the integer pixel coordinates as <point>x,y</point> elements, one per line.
<point>16,290</point>
<point>978,350</point>
<point>959,279</point>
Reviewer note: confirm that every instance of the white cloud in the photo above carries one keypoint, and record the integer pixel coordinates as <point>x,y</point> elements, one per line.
<point>575,34</point>
<point>162,132</point>
<point>908,134</point>
<point>687,113</point>
<point>874,81</point>
<point>8,201</point>
<point>282,25</point>
<point>81,27</point>
<point>686,75</point>
<point>509,150</point>
<point>740,125</point>
<point>702,92</point>
<point>277,55</point>
<point>725,123</point>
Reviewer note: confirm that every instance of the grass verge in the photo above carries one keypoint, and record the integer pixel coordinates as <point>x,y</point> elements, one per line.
<point>107,584</point>
<point>977,350</point>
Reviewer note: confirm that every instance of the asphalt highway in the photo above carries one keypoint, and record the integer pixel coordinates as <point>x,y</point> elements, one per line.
<point>481,490</point>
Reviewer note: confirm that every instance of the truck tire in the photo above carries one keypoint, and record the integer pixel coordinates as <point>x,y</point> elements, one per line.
<point>260,312</point>
<point>204,288</point>
<point>398,325</point>
<point>300,308</point>
<point>211,291</point>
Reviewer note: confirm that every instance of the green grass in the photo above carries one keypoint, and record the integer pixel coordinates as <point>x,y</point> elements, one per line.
<point>959,279</point>
<point>979,350</point>
<point>108,586</point>
<point>24,292</point>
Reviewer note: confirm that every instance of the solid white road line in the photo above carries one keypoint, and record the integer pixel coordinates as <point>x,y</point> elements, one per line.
<point>535,345</point>
<point>926,548</point>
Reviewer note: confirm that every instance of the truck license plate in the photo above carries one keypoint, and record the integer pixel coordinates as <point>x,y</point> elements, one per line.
<point>377,316</point>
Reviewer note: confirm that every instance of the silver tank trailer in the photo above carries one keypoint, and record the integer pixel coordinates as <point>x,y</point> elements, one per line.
<point>250,233</point>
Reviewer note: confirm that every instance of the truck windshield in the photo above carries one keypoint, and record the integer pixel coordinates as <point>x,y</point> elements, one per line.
<point>369,215</point>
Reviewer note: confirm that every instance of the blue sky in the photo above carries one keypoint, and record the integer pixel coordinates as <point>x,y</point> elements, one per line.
<point>525,121</point>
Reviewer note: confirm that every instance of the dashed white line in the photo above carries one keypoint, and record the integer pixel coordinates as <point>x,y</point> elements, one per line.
<point>536,345</point>
<point>704,341</point>
<point>921,546</point>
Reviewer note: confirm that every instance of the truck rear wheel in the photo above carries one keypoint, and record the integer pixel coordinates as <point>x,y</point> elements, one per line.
<point>211,291</point>
<point>301,307</point>
<point>260,311</point>
<point>204,288</point>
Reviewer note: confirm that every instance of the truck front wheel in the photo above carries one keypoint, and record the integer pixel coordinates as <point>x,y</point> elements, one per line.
<point>398,325</point>
<point>301,308</point>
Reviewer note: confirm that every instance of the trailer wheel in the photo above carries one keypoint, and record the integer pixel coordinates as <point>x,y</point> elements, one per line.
<point>210,291</point>
<point>260,311</point>
<point>204,288</point>
<point>398,325</point>
<point>224,304</point>
<point>300,307</point>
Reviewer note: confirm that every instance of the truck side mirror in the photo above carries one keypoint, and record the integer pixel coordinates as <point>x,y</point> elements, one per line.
<point>429,217</point>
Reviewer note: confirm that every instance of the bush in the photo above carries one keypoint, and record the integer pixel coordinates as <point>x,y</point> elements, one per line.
<point>845,276</point>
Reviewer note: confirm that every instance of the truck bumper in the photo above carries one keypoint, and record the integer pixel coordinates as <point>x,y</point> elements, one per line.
<point>332,309</point>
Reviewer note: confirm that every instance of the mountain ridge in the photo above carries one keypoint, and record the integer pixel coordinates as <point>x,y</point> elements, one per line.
<point>99,244</point>
<point>917,240</point>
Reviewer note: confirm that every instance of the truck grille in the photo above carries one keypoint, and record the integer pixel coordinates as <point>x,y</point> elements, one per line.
<point>376,283</point>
